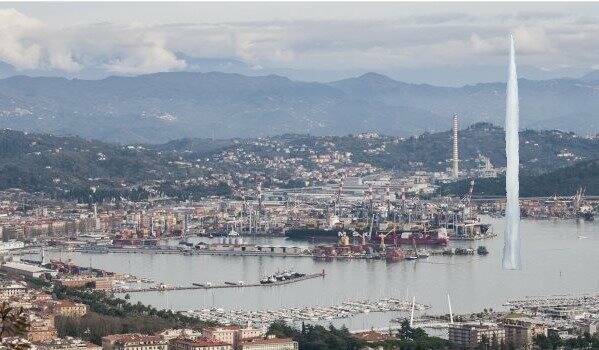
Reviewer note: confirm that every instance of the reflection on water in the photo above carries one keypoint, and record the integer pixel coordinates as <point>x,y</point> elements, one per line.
<point>556,259</point>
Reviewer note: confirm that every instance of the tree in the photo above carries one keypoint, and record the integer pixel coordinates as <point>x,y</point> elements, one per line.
<point>14,323</point>
<point>552,341</point>
<point>484,343</point>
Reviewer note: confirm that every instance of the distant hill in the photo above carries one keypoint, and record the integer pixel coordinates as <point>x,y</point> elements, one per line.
<point>157,108</point>
<point>562,182</point>
<point>71,166</point>
<point>68,167</point>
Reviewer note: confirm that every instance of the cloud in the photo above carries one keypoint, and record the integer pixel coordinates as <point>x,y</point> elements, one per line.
<point>29,44</point>
<point>532,40</point>
<point>544,39</point>
<point>16,45</point>
<point>141,53</point>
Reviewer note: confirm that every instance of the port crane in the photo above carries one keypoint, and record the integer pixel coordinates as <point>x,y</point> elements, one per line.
<point>370,234</point>
<point>382,236</point>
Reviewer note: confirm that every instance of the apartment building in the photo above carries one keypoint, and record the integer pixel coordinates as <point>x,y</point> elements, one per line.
<point>470,335</point>
<point>199,344</point>
<point>521,332</point>
<point>134,341</point>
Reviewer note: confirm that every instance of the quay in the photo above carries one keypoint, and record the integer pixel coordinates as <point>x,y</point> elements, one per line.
<point>294,252</point>
<point>555,301</point>
<point>195,286</point>
<point>198,252</point>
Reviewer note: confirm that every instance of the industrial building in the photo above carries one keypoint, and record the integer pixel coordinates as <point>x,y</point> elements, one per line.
<point>26,270</point>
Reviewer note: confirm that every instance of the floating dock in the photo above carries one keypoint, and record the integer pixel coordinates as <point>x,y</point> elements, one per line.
<point>218,286</point>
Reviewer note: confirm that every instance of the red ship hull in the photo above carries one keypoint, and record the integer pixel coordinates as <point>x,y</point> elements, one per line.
<point>429,239</point>
<point>424,241</point>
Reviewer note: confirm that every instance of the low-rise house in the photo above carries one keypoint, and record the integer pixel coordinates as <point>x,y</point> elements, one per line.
<point>199,344</point>
<point>69,308</point>
<point>41,328</point>
<point>67,343</point>
<point>268,343</point>
<point>232,334</point>
<point>134,341</point>
<point>15,342</point>
<point>372,336</point>
<point>185,333</point>
<point>10,290</point>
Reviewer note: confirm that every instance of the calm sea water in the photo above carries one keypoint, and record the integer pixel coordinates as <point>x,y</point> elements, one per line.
<point>558,257</point>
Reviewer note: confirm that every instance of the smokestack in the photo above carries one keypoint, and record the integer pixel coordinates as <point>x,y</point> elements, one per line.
<point>455,155</point>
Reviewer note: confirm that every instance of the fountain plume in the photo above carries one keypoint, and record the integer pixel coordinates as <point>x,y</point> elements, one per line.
<point>511,248</point>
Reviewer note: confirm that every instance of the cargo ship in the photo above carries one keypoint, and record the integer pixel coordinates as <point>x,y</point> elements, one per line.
<point>307,233</point>
<point>436,237</point>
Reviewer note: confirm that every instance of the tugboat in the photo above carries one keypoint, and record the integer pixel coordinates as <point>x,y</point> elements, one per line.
<point>423,254</point>
<point>412,256</point>
<point>394,254</point>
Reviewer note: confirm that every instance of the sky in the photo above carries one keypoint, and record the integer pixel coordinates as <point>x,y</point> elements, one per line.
<point>438,43</point>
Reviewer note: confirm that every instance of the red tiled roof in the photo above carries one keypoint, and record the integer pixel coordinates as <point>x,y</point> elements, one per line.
<point>132,337</point>
<point>266,341</point>
<point>200,342</point>
<point>226,328</point>
<point>371,336</point>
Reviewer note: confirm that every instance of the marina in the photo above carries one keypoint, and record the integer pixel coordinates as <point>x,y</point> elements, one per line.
<point>346,309</point>
<point>555,261</point>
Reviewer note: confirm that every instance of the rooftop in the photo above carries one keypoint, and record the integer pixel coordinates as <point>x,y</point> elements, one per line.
<point>133,338</point>
<point>267,341</point>
<point>200,342</point>
<point>24,267</point>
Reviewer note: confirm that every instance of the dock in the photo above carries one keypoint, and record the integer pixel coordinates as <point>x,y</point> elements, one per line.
<point>165,250</point>
<point>200,286</point>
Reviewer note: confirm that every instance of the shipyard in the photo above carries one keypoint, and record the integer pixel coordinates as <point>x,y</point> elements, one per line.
<point>299,176</point>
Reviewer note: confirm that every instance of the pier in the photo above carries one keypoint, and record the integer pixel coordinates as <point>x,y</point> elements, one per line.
<point>555,301</point>
<point>204,286</point>
<point>162,250</point>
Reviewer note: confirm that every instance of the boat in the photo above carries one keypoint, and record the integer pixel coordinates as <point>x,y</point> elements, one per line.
<point>438,237</point>
<point>307,233</point>
<point>423,254</point>
<point>412,257</point>
<point>394,254</point>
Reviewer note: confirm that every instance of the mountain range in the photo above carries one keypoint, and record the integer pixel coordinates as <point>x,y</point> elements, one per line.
<point>159,107</point>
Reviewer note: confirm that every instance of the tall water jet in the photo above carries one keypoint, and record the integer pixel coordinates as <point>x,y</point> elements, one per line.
<point>511,248</point>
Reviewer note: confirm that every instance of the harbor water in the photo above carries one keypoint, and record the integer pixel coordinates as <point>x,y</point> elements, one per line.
<point>558,257</point>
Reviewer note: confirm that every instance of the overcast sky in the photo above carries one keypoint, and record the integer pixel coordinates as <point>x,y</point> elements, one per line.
<point>443,43</point>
